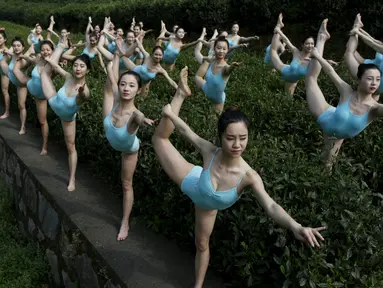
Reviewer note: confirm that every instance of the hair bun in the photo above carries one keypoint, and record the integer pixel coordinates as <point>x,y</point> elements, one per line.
<point>233,108</point>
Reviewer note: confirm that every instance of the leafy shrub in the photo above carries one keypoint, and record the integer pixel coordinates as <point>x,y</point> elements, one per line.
<point>284,147</point>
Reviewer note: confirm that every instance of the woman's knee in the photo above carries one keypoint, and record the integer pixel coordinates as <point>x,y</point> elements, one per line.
<point>202,244</point>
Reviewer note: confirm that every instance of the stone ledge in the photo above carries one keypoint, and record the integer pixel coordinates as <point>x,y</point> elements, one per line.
<point>78,229</point>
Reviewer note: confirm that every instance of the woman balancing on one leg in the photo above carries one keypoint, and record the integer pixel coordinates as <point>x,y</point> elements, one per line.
<point>68,100</point>
<point>353,58</point>
<point>18,47</point>
<point>121,122</point>
<point>34,38</point>
<point>210,44</point>
<point>234,39</point>
<point>34,86</point>
<point>224,175</point>
<point>298,67</point>
<point>174,45</point>
<point>150,68</point>
<point>355,110</point>
<point>126,47</point>
<point>217,73</point>
<point>90,47</point>
<point>4,78</point>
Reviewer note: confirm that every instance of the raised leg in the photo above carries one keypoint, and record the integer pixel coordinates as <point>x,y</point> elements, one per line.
<point>128,166</point>
<point>70,137</point>
<point>162,34</point>
<point>170,159</point>
<point>20,76</point>
<point>199,81</point>
<point>204,224</point>
<point>47,85</point>
<point>198,48</point>
<point>275,44</point>
<point>4,90</point>
<point>352,44</point>
<point>41,107</point>
<point>314,96</point>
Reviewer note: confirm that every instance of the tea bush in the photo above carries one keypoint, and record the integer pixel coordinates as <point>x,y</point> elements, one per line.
<point>257,16</point>
<point>284,147</point>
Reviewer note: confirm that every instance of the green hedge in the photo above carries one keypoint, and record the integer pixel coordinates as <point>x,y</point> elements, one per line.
<point>284,146</point>
<point>256,16</point>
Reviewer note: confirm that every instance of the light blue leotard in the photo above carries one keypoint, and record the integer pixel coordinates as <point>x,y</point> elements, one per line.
<point>197,185</point>
<point>378,61</point>
<point>65,107</point>
<point>170,54</point>
<point>34,85</point>
<point>214,87</point>
<point>341,123</point>
<point>112,47</point>
<point>86,52</point>
<point>231,44</point>
<point>294,72</point>
<point>267,59</point>
<point>12,76</point>
<point>144,73</point>
<point>119,138</point>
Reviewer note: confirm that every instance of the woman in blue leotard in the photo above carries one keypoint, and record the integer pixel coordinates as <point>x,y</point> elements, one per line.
<point>18,48</point>
<point>34,38</point>
<point>150,68</point>
<point>217,73</point>
<point>355,110</point>
<point>234,39</point>
<point>126,46</point>
<point>174,45</point>
<point>218,184</point>
<point>297,69</point>
<point>121,122</point>
<point>353,59</point>
<point>210,44</point>
<point>4,78</point>
<point>34,86</point>
<point>90,45</point>
<point>68,100</point>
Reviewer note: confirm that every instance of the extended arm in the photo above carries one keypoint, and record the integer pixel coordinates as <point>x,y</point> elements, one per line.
<point>279,215</point>
<point>247,39</point>
<point>370,42</point>
<point>170,80</point>
<point>191,44</point>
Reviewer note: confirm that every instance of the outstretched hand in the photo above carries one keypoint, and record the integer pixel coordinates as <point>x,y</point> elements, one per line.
<point>147,121</point>
<point>236,64</point>
<point>81,89</point>
<point>309,235</point>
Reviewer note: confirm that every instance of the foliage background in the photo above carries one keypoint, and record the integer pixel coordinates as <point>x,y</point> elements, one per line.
<point>284,147</point>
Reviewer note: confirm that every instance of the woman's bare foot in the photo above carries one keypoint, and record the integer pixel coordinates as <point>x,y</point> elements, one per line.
<point>72,186</point>
<point>203,35</point>
<point>22,130</point>
<point>280,22</point>
<point>124,231</point>
<point>4,116</point>
<point>43,152</point>
<point>323,29</point>
<point>358,21</point>
<point>52,20</point>
<point>183,82</point>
